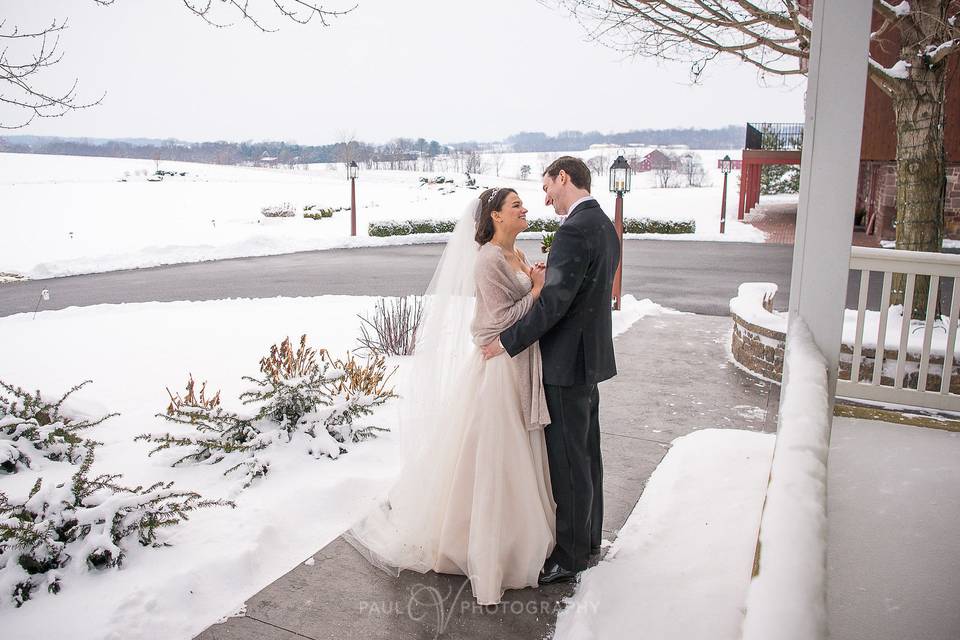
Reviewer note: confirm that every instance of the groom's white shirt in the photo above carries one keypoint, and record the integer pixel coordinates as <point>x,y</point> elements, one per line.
<point>574,206</point>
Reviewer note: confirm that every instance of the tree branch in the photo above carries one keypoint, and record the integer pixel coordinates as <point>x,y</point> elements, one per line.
<point>21,70</point>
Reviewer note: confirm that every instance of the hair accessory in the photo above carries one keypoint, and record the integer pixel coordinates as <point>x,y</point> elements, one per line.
<point>493,195</point>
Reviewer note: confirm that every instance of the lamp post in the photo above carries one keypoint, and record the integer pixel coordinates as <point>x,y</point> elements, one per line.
<point>352,169</point>
<point>620,174</point>
<point>726,166</point>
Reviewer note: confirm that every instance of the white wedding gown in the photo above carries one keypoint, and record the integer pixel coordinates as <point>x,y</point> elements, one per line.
<point>478,500</point>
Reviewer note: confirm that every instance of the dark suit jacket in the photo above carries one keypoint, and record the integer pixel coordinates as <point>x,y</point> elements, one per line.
<point>572,317</point>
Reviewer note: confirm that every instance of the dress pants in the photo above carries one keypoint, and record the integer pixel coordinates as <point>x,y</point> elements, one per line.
<point>576,471</point>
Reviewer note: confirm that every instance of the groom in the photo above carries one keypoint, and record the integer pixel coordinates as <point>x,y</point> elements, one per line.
<point>572,320</point>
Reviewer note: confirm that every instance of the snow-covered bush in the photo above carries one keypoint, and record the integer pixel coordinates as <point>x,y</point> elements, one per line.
<point>779,178</point>
<point>384,229</point>
<point>316,212</point>
<point>282,211</point>
<point>218,432</point>
<point>31,426</point>
<point>651,225</point>
<point>300,402</point>
<point>293,383</point>
<point>428,225</point>
<point>84,520</point>
<point>393,328</point>
<point>297,393</point>
<point>407,227</point>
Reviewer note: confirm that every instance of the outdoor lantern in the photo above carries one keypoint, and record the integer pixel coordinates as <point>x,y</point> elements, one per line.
<point>726,165</point>
<point>620,175</point>
<point>352,176</point>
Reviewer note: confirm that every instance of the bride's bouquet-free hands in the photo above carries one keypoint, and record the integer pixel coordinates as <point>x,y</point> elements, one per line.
<point>538,274</point>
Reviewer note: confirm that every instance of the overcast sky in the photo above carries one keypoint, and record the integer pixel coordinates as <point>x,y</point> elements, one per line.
<point>447,70</point>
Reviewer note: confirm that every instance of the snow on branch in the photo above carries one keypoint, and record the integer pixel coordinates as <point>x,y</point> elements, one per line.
<point>893,11</point>
<point>899,71</point>
<point>933,55</point>
<point>86,520</point>
<point>305,399</point>
<point>31,426</point>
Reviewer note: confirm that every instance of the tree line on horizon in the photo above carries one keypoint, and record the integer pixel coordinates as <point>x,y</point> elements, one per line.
<point>396,150</point>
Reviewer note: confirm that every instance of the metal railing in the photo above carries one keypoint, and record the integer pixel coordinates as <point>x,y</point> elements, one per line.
<point>906,363</point>
<point>774,136</point>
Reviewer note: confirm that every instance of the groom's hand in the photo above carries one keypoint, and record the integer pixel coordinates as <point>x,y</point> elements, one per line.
<point>492,349</point>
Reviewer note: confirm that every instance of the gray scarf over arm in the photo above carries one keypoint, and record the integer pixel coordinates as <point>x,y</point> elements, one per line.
<point>503,297</point>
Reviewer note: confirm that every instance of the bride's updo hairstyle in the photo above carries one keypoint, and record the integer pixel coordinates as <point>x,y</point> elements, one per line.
<point>490,200</point>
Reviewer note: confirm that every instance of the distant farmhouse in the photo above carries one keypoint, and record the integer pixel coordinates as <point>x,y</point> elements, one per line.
<point>653,161</point>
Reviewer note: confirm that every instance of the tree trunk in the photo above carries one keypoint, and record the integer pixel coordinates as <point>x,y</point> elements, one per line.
<point>921,178</point>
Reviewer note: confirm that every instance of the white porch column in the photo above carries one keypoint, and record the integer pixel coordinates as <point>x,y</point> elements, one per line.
<point>828,172</point>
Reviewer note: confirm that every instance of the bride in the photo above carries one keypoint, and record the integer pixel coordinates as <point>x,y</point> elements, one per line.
<point>473,496</point>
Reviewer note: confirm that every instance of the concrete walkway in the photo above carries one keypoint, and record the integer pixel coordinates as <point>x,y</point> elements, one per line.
<point>642,410</point>
<point>893,553</point>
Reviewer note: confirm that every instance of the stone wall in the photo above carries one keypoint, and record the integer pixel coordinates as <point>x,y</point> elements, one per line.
<point>877,191</point>
<point>911,376</point>
<point>758,349</point>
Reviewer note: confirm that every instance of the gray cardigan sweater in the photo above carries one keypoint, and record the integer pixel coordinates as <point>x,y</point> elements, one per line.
<point>503,297</point>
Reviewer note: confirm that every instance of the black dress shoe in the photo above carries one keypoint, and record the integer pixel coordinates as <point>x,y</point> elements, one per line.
<point>553,572</point>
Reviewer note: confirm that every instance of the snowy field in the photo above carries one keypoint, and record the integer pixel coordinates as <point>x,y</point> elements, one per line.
<point>220,557</point>
<point>66,215</point>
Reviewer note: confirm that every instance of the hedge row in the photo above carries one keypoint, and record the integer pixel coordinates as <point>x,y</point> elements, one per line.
<point>650,225</point>
<point>408,227</point>
<point>543,225</point>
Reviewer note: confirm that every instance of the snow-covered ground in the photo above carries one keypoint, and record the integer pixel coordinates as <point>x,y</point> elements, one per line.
<point>893,554</point>
<point>220,557</point>
<point>64,215</point>
<point>680,566</point>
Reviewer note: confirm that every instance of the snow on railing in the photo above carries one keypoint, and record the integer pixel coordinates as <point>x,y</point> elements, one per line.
<point>911,378</point>
<point>787,596</point>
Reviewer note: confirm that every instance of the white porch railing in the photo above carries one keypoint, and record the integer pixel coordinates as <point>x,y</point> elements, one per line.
<point>902,371</point>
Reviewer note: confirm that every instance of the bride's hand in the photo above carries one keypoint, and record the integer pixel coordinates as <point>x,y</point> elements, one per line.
<point>538,276</point>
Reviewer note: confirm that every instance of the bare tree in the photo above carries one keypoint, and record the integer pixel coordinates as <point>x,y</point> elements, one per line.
<point>597,164</point>
<point>774,36</point>
<point>26,54</point>
<point>665,176</point>
<point>690,166</point>
<point>496,159</point>
<point>345,150</point>
<point>473,162</point>
<point>594,165</point>
<point>544,160</point>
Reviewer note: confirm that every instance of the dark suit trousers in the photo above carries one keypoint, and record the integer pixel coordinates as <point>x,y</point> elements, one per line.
<point>576,471</point>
